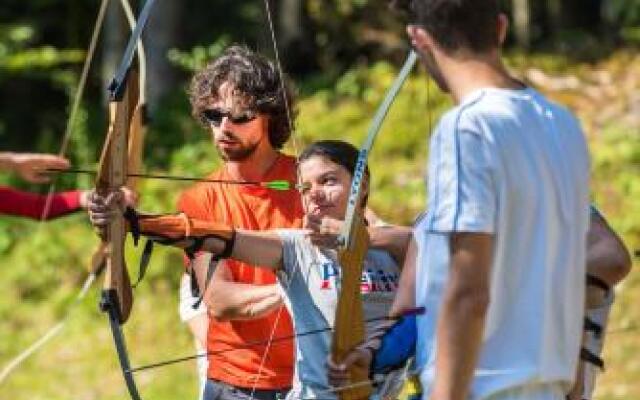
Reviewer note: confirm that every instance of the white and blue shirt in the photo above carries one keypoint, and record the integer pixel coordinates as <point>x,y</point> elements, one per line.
<point>310,279</point>
<point>511,164</point>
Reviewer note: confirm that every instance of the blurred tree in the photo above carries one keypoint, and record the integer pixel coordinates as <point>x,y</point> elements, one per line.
<point>522,22</point>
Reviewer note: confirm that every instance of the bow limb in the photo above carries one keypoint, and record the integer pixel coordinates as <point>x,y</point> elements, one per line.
<point>349,328</point>
<point>139,120</point>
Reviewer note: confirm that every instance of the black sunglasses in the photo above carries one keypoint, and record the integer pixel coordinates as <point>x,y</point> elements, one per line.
<point>214,117</point>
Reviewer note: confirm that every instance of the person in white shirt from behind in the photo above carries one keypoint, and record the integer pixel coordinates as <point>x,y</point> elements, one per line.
<point>504,236</point>
<point>506,224</point>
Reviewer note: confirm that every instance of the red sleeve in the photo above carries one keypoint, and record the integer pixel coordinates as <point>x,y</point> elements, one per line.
<point>31,205</point>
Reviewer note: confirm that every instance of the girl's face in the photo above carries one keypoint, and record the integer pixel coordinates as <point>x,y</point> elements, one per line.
<point>325,187</point>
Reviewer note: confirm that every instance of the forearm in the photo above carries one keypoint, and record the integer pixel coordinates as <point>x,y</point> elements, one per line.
<point>252,247</point>
<point>458,348</point>
<point>7,161</point>
<point>232,300</point>
<point>465,304</point>
<point>242,301</point>
<point>260,308</point>
<point>405,298</point>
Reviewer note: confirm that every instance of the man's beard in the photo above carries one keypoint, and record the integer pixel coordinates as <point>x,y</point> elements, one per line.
<point>238,154</point>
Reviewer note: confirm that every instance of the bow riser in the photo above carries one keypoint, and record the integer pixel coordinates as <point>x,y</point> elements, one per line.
<point>349,328</point>
<point>111,177</point>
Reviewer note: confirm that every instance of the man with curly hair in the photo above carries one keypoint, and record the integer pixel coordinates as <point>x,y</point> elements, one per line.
<point>241,98</point>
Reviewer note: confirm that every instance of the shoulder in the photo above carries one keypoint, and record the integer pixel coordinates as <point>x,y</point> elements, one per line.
<point>470,115</point>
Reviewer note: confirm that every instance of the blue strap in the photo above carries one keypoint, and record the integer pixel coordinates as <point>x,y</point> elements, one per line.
<point>397,346</point>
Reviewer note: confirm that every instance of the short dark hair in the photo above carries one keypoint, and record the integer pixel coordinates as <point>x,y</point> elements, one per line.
<point>456,24</point>
<point>256,80</point>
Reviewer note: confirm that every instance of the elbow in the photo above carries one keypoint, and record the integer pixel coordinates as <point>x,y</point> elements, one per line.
<point>622,267</point>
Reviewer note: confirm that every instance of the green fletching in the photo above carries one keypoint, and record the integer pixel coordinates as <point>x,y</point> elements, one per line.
<point>277,185</point>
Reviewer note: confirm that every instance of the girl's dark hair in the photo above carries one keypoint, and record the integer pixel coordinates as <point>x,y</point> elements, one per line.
<point>456,24</point>
<point>336,151</point>
<point>257,84</point>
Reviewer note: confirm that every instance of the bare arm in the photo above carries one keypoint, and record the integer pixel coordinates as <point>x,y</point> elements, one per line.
<point>32,167</point>
<point>262,248</point>
<point>462,316</point>
<point>229,300</point>
<point>609,260</point>
<point>406,294</point>
<point>607,257</point>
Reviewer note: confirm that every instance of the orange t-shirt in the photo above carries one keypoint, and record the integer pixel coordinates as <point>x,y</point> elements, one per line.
<point>256,208</point>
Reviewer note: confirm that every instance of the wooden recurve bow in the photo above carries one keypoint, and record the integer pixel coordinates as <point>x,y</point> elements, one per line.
<point>117,294</point>
<point>349,327</point>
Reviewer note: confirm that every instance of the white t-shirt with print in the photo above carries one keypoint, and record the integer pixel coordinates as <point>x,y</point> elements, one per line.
<point>310,281</point>
<point>512,164</point>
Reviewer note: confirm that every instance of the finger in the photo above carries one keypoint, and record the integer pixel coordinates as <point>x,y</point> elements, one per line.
<point>50,161</point>
<point>96,198</point>
<point>357,356</point>
<point>35,177</point>
<point>97,207</point>
<point>114,199</point>
<point>101,219</point>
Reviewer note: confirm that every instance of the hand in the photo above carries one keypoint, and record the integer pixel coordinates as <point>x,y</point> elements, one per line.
<point>339,376</point>
<point>35,168</point>
<point>102,209</point>
<point>323,232</point>
<point>130,197</point>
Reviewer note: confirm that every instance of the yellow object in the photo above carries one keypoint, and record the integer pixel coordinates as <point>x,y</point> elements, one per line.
<point>411,390</point>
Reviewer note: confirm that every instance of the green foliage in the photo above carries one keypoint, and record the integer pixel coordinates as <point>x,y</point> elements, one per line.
<point>42,264</point>
<point>15,56</point>
<point>623,12</point>
<point>196,58</point>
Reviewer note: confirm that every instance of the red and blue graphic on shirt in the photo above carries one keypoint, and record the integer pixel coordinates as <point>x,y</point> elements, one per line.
<point>374,280</point>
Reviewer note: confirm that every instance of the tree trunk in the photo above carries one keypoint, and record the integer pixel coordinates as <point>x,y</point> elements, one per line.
<point>160,35</point>
<point>522,22</point>
<point>554,12</point>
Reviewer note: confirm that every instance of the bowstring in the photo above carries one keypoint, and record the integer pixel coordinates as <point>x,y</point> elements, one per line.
<point>296,149</point>
<point>53,331</point>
